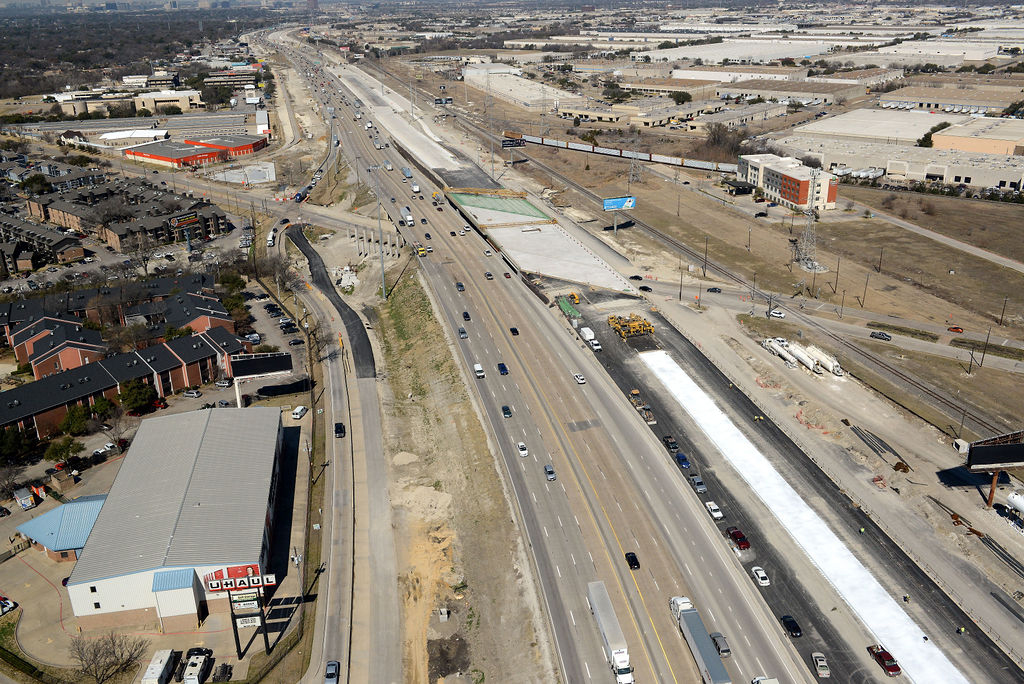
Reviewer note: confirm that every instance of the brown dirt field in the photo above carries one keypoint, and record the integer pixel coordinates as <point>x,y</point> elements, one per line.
<point>458,545</point>
<point>994,226</point>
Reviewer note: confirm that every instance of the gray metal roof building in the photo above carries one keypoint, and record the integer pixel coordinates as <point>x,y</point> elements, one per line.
<point>195,492</point>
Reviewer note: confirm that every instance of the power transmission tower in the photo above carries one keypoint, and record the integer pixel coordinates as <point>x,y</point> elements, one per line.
<point>806,245</point>
<point>636,169</point>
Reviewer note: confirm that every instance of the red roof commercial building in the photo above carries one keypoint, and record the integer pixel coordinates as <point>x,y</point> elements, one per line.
<point>234,145</point>
<point>176,154</point>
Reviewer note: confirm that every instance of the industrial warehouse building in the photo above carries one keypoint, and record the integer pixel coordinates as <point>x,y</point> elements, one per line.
<point>874,124</point>
<point>730,73</point>
<point>951,99</point>
<point>910,163</point>
<point>805,91</point>
<point>183,99</point>
<point>197,152</point>
<point>193,500</point>
<point>739,116</point>
<point>788,181</point>
<point>987,135</point>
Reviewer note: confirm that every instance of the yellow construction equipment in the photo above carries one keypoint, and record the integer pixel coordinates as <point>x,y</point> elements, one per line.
<point>633,326</point>
<point>574,298</point>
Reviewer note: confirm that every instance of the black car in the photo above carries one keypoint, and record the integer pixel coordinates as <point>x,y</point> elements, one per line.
<point>514,331</point>
<point>296,342</point>
<point>452,233</point>
<point>339,429</point>
<point>761,214</point>
<point>5,512</point>
<point>632,561</point>
<point>426,235</point>
<point>792,626</point>
<point>197,651</point>
<point>505,412</point>
<point>636,277</point>
<point>423,221</point>
<point>716,290</point>
<point>465,316</point>
<point>670,443</point>
<point>645,288</point>
<point>879,335</point>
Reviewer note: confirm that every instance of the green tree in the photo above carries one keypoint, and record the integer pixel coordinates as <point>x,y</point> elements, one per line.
<point>143,112</point>
<point>680,97</point>
<point>136,395</point>
<point>172,333</point>
<point>36,184</point>
<point>63,448</point>
<point>170,110</point>
<point>103,407</point>
<point>15,445</point>
<point>76,421</point>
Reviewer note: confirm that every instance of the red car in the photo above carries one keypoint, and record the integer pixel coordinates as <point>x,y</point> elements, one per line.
<point>741,541</point>
<point>885,659</point>
<point>955,329</point>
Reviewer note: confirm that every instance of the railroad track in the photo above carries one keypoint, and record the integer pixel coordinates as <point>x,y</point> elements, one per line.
<point>954,410</point>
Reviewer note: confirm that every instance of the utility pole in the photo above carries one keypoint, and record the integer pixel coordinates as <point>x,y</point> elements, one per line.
<point>865,297</point>
<point>985,348</point>
<point>705,256</point>
<point>835,287</point>
<point>681,279</point>
<point>842,304</point>
<point>881,251</point>
<point>1004,309</point>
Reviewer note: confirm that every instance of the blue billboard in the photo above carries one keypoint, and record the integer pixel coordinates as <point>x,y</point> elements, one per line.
<point>616,203</point>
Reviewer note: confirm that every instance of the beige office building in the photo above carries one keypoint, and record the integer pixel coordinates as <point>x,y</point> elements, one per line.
<point>987,135</point>
<point>186,100</point>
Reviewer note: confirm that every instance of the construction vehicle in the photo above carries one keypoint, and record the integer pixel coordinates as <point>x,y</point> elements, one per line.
<point>642,407</point>
<point>633,326</point>
<point>574,298</point>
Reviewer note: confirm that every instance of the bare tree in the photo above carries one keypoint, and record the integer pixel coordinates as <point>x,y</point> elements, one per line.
<point>10,476</point>
<point>139,246</point>
<point>104,658</point>
<point>119,425</point>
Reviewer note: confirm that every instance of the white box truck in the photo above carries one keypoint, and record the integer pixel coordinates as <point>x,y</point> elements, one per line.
<point>709,663</point>
<point>160,668</point>
<point>612,641</point>
<point>588,335</point>
<point>415,186</point>
<point>478,370</point>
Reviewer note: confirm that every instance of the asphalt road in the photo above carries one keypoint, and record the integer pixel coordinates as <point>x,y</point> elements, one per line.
<point>362,351</point>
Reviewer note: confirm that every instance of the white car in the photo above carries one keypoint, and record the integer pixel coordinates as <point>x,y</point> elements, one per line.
<point>760,575</point>
<point>523,451</point>
<point>821,667</point>
<point>777,313</point>
<point>714,510</point>
<point>6,605</point>
<point>580,380</point>
<point>192,394</point>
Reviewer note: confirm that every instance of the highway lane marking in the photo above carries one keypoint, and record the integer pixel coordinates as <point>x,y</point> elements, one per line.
<point>534,495</point>
<point>572,618</point>
<point>573,559</point>
<point>656,586</point>
<point>576,519</point>
<point>559,519</point>
<point>588,669</point>
<point>545,530</point>
<point>559,571</point>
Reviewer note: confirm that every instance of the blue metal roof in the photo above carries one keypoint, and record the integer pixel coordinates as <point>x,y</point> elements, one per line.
<point>166,580</point>
<point>66,527</point>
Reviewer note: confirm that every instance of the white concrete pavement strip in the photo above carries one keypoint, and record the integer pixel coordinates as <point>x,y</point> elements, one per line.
<point>388,114</point>
<point>921,661</point>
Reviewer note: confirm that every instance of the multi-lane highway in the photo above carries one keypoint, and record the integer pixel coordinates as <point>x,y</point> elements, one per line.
<point>615,491</point>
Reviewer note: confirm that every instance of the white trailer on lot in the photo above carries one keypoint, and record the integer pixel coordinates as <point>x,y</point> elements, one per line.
<point>805,359</point>
<point>773,346</point>
<point>612,640</point>
<point>160,668</point>
<point>826,360</point>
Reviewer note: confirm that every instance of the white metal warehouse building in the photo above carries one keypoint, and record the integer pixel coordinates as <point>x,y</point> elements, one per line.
<point>194,498</point>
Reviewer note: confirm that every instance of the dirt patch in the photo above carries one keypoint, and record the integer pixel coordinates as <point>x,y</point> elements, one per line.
<point>456,540</point>
<point>990,225</point>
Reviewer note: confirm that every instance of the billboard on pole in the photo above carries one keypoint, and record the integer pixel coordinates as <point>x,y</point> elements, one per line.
<point>616,203</point>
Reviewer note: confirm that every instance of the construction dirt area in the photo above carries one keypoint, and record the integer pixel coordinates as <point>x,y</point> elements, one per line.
<point>459,548</point>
